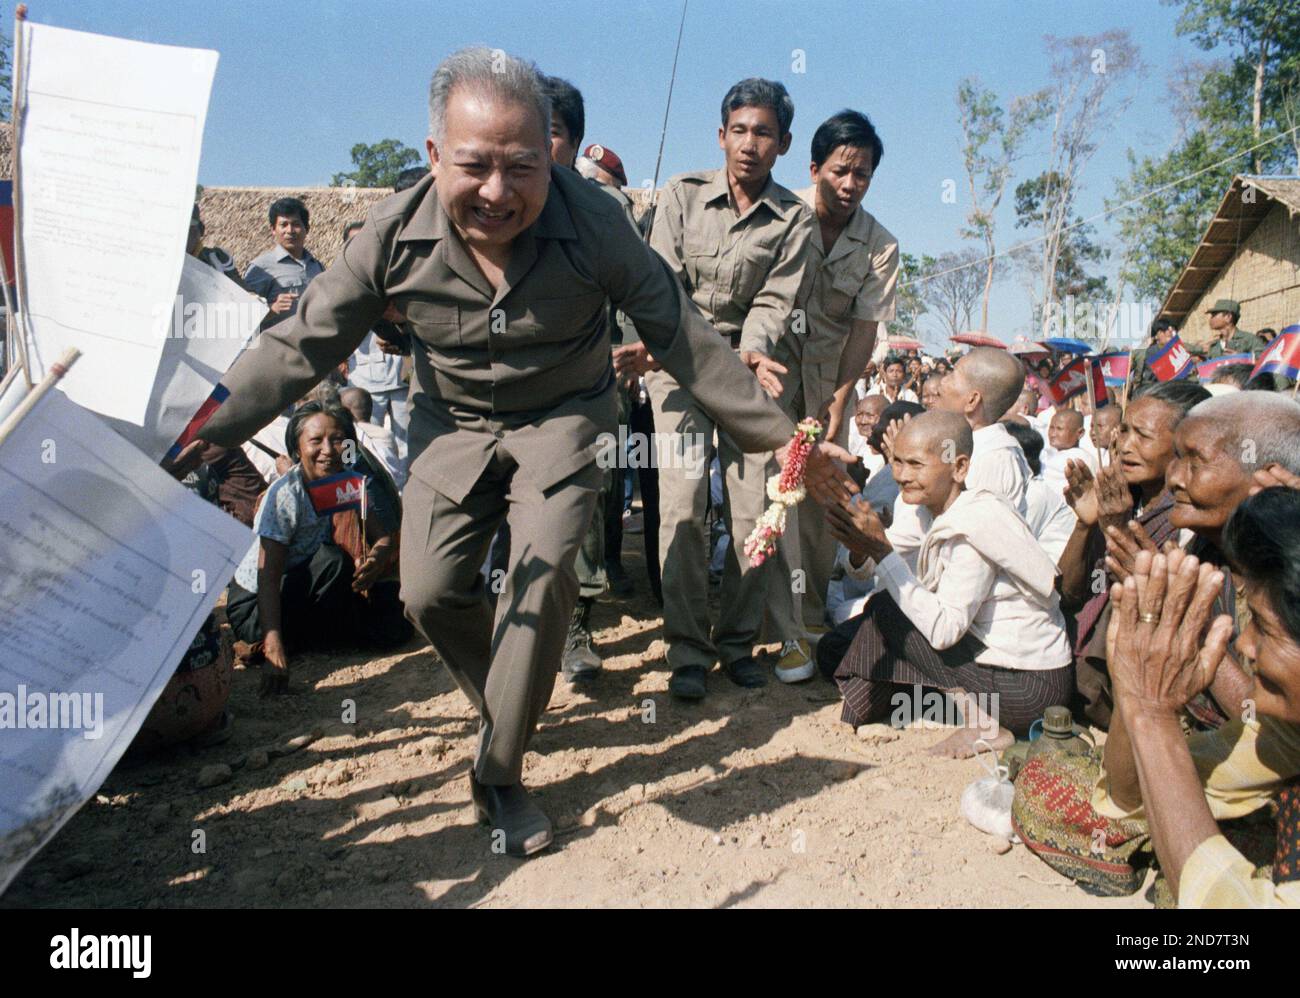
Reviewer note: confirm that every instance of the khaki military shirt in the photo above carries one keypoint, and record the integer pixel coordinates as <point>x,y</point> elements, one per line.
<point>744,272</point>
<point>1239,342</point>
<point>856,280</point>
<point>526,367</point>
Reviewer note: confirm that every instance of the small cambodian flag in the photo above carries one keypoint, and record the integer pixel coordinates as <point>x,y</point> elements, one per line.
<point>1072,379</point>
<point>1114,368</point>
<point>219,395</point>
<point>335,493</point>
<point>1206,370</point>
<point>1282,356</point>
<point>1172,361</point>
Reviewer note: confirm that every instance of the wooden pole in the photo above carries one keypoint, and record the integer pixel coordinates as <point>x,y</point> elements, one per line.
<point>1128,380</point>
<point>57,370</point>
<point>22,336</point>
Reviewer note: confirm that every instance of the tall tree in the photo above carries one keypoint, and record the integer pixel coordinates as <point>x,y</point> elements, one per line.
<point>1076,248</point>
<point>909,303</point>
<point>951,284</point>
<point>1264,38</point>
<point>992,140</point>
<point>1089,76</point>
<point>1246,99</point>
<point>377,165</point>
<point>1163,207</point>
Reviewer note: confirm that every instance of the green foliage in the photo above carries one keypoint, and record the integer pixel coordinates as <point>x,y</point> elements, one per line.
<point>377,165</point>
<point>1185,185</point>
<point>909,304</point>
<point>6,77</point>
<point>1078,249</point>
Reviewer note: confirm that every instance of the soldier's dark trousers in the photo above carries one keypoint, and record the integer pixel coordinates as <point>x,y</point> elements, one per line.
<point>505,665</point>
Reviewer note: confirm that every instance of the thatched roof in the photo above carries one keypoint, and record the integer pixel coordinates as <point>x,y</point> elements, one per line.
<point>1248,200</point>
<point>235,217</point>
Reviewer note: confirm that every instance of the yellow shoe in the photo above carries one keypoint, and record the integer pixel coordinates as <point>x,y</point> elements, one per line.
<point>795,664</point>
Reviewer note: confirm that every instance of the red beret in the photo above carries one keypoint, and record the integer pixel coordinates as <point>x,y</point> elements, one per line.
<point>607,159</point>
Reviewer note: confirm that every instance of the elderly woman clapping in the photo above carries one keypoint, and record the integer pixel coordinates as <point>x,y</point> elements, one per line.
<point>1163,650</point>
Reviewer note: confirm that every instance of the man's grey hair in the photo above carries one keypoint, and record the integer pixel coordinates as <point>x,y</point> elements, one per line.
<point>1263,427</point>
<point>587,168</point>
<point>489,71</point>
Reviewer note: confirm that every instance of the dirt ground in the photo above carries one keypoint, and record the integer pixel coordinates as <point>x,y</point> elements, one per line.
<point>757,798</point>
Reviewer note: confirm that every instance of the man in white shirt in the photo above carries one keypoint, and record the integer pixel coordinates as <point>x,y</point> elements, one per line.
<point>981,388</point>
<point>865,418</point>
<point>1048,514</point>
<point>378,440</point>
<point>1063,435</point>
<point>376,367</point>
<point>894,373</point>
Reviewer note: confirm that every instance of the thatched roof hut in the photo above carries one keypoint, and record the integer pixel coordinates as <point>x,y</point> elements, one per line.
<point>1249,253</point>
<point>235,217</point>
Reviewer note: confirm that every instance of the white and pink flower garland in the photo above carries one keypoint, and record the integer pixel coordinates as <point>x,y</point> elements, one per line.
<point>785,490</point>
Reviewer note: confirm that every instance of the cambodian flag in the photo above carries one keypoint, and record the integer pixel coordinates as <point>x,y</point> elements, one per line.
<point>219,395</point>
<point>335,493</point>
<point>1172,361</point>
<point>1206,370</point>
<point>1073,379</point>
<point>1114,367</point>
<point>1282,356</point>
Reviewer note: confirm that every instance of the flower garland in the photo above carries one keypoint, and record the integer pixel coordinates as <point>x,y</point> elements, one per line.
<point>785,490</point>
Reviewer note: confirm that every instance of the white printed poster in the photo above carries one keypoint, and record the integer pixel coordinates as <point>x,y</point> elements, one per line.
<point>108,567</point>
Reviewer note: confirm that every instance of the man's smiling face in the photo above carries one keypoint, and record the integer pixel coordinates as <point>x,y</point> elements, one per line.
<point>492,168</point>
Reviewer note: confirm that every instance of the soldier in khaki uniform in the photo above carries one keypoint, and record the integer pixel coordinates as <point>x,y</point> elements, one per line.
<point>502,266</point>
<point>1228,339</point>
<point>738,243</point>
<point>853,264</point>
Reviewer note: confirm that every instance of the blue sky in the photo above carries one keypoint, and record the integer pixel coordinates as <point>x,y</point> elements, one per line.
<point>298,84</point>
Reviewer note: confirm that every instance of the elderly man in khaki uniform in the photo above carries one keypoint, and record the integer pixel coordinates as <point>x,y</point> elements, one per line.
<point>738,242</point>
<point>854,270</point>
<point>502,266</point>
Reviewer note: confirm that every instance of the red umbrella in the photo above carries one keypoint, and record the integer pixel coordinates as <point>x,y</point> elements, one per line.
<point>978,340</point>
<point>903,343</point>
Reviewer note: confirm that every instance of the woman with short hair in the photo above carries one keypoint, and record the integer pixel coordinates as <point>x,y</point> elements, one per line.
<point>296,587</point>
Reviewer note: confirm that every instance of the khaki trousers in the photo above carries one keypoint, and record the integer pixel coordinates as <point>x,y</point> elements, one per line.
<point>683,552</point>
<point>506,666</point>
<point>805,555</point>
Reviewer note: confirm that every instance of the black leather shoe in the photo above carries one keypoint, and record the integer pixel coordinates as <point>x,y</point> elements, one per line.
<point>510,809</point>
<point>580,663</point>
<point>688,682</point>
<point>746,672</point>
